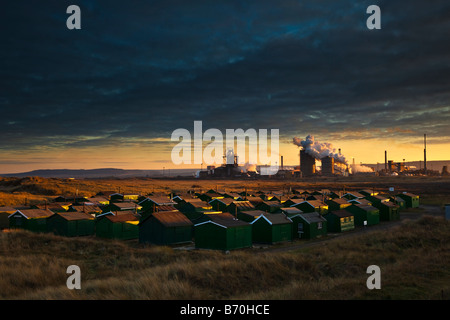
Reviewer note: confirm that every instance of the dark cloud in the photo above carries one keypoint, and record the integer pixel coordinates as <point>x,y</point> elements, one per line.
<point>141,69</point>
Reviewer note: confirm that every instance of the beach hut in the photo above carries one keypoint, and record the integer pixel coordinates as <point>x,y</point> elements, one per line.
<point>368,192</point>
<point>353,195</point>
<point>5,212</point>
<point>378,198</point>
<point>122,206</point>
<point>271,228</point>
<point>208,196</point>
<point>30,219</point>
<point>98,201</point>
<point>360,201</point>
<point>290,211</point>
<point>388,211</point>
<point>165,228</point>
<point>71,224</point>
<point>398,201</point>
<point>269,206</point>
<point>221,204</point>
<point>337,204</point>
<point>312,206</point>
<point>52,206</point>
<point>122,226</point>
<point>364,215</point>
<point>308,225</point>
<point>292,202</point>
<point>340,221</point>
<point>223,232</point>
<point>412,200</point>
<point>93,210</point>
<point>151,204</point>
<point>193,205</point>
<point>249,216</point>
<point>237,206</point>
<point>116,197</point>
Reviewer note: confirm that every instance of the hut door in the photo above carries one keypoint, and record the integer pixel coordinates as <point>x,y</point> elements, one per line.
<point>18,220</point>
<point>300,229</point>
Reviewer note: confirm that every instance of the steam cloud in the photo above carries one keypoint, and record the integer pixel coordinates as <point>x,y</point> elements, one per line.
<point>355,168</point>
<point>318,149</point>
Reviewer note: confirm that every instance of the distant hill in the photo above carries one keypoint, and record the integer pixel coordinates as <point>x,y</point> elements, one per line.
<point>101,173</point>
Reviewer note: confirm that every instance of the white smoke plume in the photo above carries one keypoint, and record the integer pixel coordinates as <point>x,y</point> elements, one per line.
<point>355,168</point>
<point>318,149</point>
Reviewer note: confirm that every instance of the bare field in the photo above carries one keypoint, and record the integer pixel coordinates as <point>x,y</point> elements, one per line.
<point>15,191</point>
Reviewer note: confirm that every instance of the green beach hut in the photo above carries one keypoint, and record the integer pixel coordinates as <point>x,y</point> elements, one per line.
<point>249,216</point>
<point>271,228</point>
<point>30,219</point>
<point>71,224</point>
<point>388,211</point>
<point>308,225</point>
<point>5,212</point>
<point>312,206</point>
<point>165,228</point>
<point>364,215</point>
<point>340,221</point>
<point>412,200</point>
<point>223,232</point>
<point>337,204</point>
<point>123,225</point>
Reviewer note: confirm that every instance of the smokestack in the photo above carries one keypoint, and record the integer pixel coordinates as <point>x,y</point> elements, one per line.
<point>385,160</point>
<point>281,162</point>
<point>425,153</point>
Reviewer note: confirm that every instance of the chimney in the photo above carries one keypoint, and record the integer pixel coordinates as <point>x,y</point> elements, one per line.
<point>385,160</point>
<point>281,162</point>
<point>425,153</point>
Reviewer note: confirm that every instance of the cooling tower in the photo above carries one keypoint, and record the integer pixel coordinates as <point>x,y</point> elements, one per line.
<point>327,166</point>
<point>307,164</point>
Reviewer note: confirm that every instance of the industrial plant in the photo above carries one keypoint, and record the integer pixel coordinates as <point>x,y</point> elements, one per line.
<point>318,159</point>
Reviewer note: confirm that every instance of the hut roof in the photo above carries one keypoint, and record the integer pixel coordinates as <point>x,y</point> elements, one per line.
<point>86,208</point>
<point>172,218</point>
<point>126,205</point>
<point>225,220</point>
<point>361,201</point>
<point>122,217</point>
<point>34,213</point>
<point>291,210</point>
<point>254,213</point>
<point>339,201</point>
<point>273,219</point>
<point>159,200</point>
<point>342,213</point>
<point>75,215</point>
<point>311,217</point>
<point>355,194</point>
<point>313,203</point>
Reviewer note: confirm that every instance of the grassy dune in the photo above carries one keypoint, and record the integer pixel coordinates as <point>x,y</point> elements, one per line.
<point>414,259</point>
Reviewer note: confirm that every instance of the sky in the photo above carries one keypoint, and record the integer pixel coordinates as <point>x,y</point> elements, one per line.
<point>111,94</point>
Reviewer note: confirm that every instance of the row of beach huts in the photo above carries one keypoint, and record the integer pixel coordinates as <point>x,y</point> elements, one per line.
<point>210,219</point>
